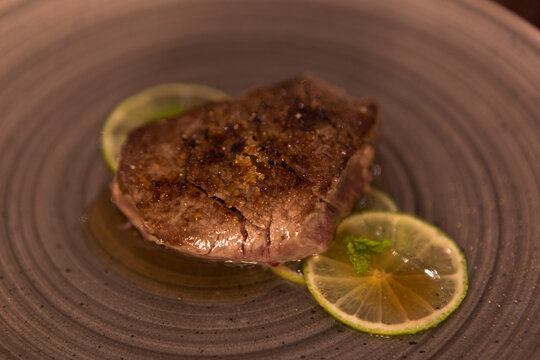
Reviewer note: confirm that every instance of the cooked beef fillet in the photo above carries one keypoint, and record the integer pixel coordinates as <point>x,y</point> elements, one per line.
<point>263,178</point>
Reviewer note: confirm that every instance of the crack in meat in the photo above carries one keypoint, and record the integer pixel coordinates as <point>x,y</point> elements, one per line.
<point>267,236</point>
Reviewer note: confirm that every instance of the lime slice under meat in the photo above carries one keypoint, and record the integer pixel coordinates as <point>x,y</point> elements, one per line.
<point>374,199</point>
<point>290,270</point>
<point>158,102</point>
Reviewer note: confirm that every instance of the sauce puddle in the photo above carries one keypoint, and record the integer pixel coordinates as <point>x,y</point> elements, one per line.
<point>164,272</point>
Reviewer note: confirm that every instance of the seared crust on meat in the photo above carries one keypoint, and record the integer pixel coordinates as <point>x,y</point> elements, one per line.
<point>263,178</point>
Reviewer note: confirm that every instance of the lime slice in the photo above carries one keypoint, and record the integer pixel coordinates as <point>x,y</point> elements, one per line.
<point>158,102</point>
<point>290,270</point>
<point>410,287</point>
<point>371,200</point>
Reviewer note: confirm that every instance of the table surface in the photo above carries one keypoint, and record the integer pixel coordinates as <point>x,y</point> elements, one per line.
<point>527,9</point>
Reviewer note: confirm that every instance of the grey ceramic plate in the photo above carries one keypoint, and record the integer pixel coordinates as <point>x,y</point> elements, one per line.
<point>459,89</point>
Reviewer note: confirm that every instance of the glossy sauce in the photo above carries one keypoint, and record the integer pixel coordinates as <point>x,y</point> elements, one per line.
<point>165,272</point>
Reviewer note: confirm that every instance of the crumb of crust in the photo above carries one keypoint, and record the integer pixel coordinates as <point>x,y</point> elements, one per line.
<point>246,170</point>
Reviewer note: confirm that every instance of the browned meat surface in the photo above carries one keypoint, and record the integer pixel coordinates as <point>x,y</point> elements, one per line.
<point>264,178</point>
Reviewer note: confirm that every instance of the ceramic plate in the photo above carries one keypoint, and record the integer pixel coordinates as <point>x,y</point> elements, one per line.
<point>458,85</point>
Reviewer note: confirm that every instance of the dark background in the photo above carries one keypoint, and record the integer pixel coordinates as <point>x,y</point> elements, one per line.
<point>528,9</point>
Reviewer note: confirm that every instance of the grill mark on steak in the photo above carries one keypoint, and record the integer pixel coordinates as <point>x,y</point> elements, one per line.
<point>164,189</point>
<point>306,117</point>
<point>300,177</point>
<point>218,175</point>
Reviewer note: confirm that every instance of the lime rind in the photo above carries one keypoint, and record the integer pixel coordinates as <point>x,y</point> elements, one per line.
<point>288,273</point>
<point>373,199</point>
<point>439,238</point>
<point>160,101</point>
